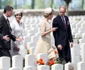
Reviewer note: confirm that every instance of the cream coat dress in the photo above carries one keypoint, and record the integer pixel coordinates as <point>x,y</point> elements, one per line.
<point>44,43</point>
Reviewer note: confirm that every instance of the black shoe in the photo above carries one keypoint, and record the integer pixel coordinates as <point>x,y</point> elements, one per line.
<point>59,61</point>
<point>63,62</point>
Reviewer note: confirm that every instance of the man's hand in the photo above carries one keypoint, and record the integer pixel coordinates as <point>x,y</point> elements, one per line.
<point>71,44</point>
<point>18,39</point>
<point>6,37</point>
<point>60,47</point>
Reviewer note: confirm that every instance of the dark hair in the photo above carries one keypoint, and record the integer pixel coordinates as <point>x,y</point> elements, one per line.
<point>8,8</point>
<point>20,14</point>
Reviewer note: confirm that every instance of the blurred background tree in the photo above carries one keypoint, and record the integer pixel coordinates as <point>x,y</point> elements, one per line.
<point>40,4</point>
<point>33,4</point>
<point>3,3</point>
<point>67,2</point>
<point>82,4</point>
<point>67,5</point>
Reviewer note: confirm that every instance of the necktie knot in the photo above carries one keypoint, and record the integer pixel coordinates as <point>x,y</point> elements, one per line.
<point>7,20</point>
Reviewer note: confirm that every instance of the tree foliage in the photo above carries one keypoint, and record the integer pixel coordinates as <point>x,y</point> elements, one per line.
<point>67,1</point>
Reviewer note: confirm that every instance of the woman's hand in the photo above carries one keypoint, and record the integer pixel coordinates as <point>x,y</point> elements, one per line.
<point>54,29</point>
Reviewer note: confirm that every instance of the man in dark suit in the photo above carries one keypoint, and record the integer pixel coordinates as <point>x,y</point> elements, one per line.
<point>5,32</point>
<point>63,36</point>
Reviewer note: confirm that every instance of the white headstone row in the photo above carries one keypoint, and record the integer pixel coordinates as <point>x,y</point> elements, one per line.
<point>30,61</point>
<point>53,67</point>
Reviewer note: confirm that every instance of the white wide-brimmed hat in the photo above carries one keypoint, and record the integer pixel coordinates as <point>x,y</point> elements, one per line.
<point>18,12</point>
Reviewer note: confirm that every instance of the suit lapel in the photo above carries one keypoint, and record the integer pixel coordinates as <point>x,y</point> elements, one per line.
<point>6,23</point>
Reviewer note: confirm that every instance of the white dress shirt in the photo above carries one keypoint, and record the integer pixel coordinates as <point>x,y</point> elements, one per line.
<point>5,16</point>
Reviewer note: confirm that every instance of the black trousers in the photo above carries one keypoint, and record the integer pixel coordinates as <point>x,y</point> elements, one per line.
<point>4,52</point>
<point>65,53</point>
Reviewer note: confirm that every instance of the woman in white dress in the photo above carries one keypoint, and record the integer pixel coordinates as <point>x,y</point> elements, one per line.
<point>44,42</point>
<point>18,30</point>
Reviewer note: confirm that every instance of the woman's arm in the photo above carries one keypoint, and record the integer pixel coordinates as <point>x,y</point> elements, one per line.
<point>48,31</point>
<point>43,29</point>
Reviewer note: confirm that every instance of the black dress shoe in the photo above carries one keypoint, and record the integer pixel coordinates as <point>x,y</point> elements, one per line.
<point>59,61</point>
<point>63,62</point>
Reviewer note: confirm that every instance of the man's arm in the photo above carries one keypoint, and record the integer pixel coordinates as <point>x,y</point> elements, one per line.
<point>56,33</point>
<point>69,32</point>
<point>13,37</point>
<point>1,35</point>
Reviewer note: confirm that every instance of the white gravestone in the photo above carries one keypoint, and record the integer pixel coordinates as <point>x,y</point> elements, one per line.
<point>70,66</point>
<point>29,68</point>
<point>15,68</point>
<point>30,60</point>
<point>57,67</point>
<point>43,56</point>
<point>75,53</point>
<point>17,61</point>
<point>32,50</point>
<point>81,66</point>
<point>43,67</point>
<point>83,51</point>
<point>4,63</point>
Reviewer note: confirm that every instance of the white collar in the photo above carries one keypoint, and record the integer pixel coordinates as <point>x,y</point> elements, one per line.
<point>5,16</point>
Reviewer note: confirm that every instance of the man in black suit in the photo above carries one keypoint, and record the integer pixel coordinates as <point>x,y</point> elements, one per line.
<point>5,32</point>
<point>63,36</point>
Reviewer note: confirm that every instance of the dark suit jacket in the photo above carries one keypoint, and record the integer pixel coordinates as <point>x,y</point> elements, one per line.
<point>62,35</point>
<point>5,30</point>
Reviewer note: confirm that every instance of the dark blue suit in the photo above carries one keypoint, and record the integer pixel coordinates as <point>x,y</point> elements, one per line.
<point>63,36</point>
